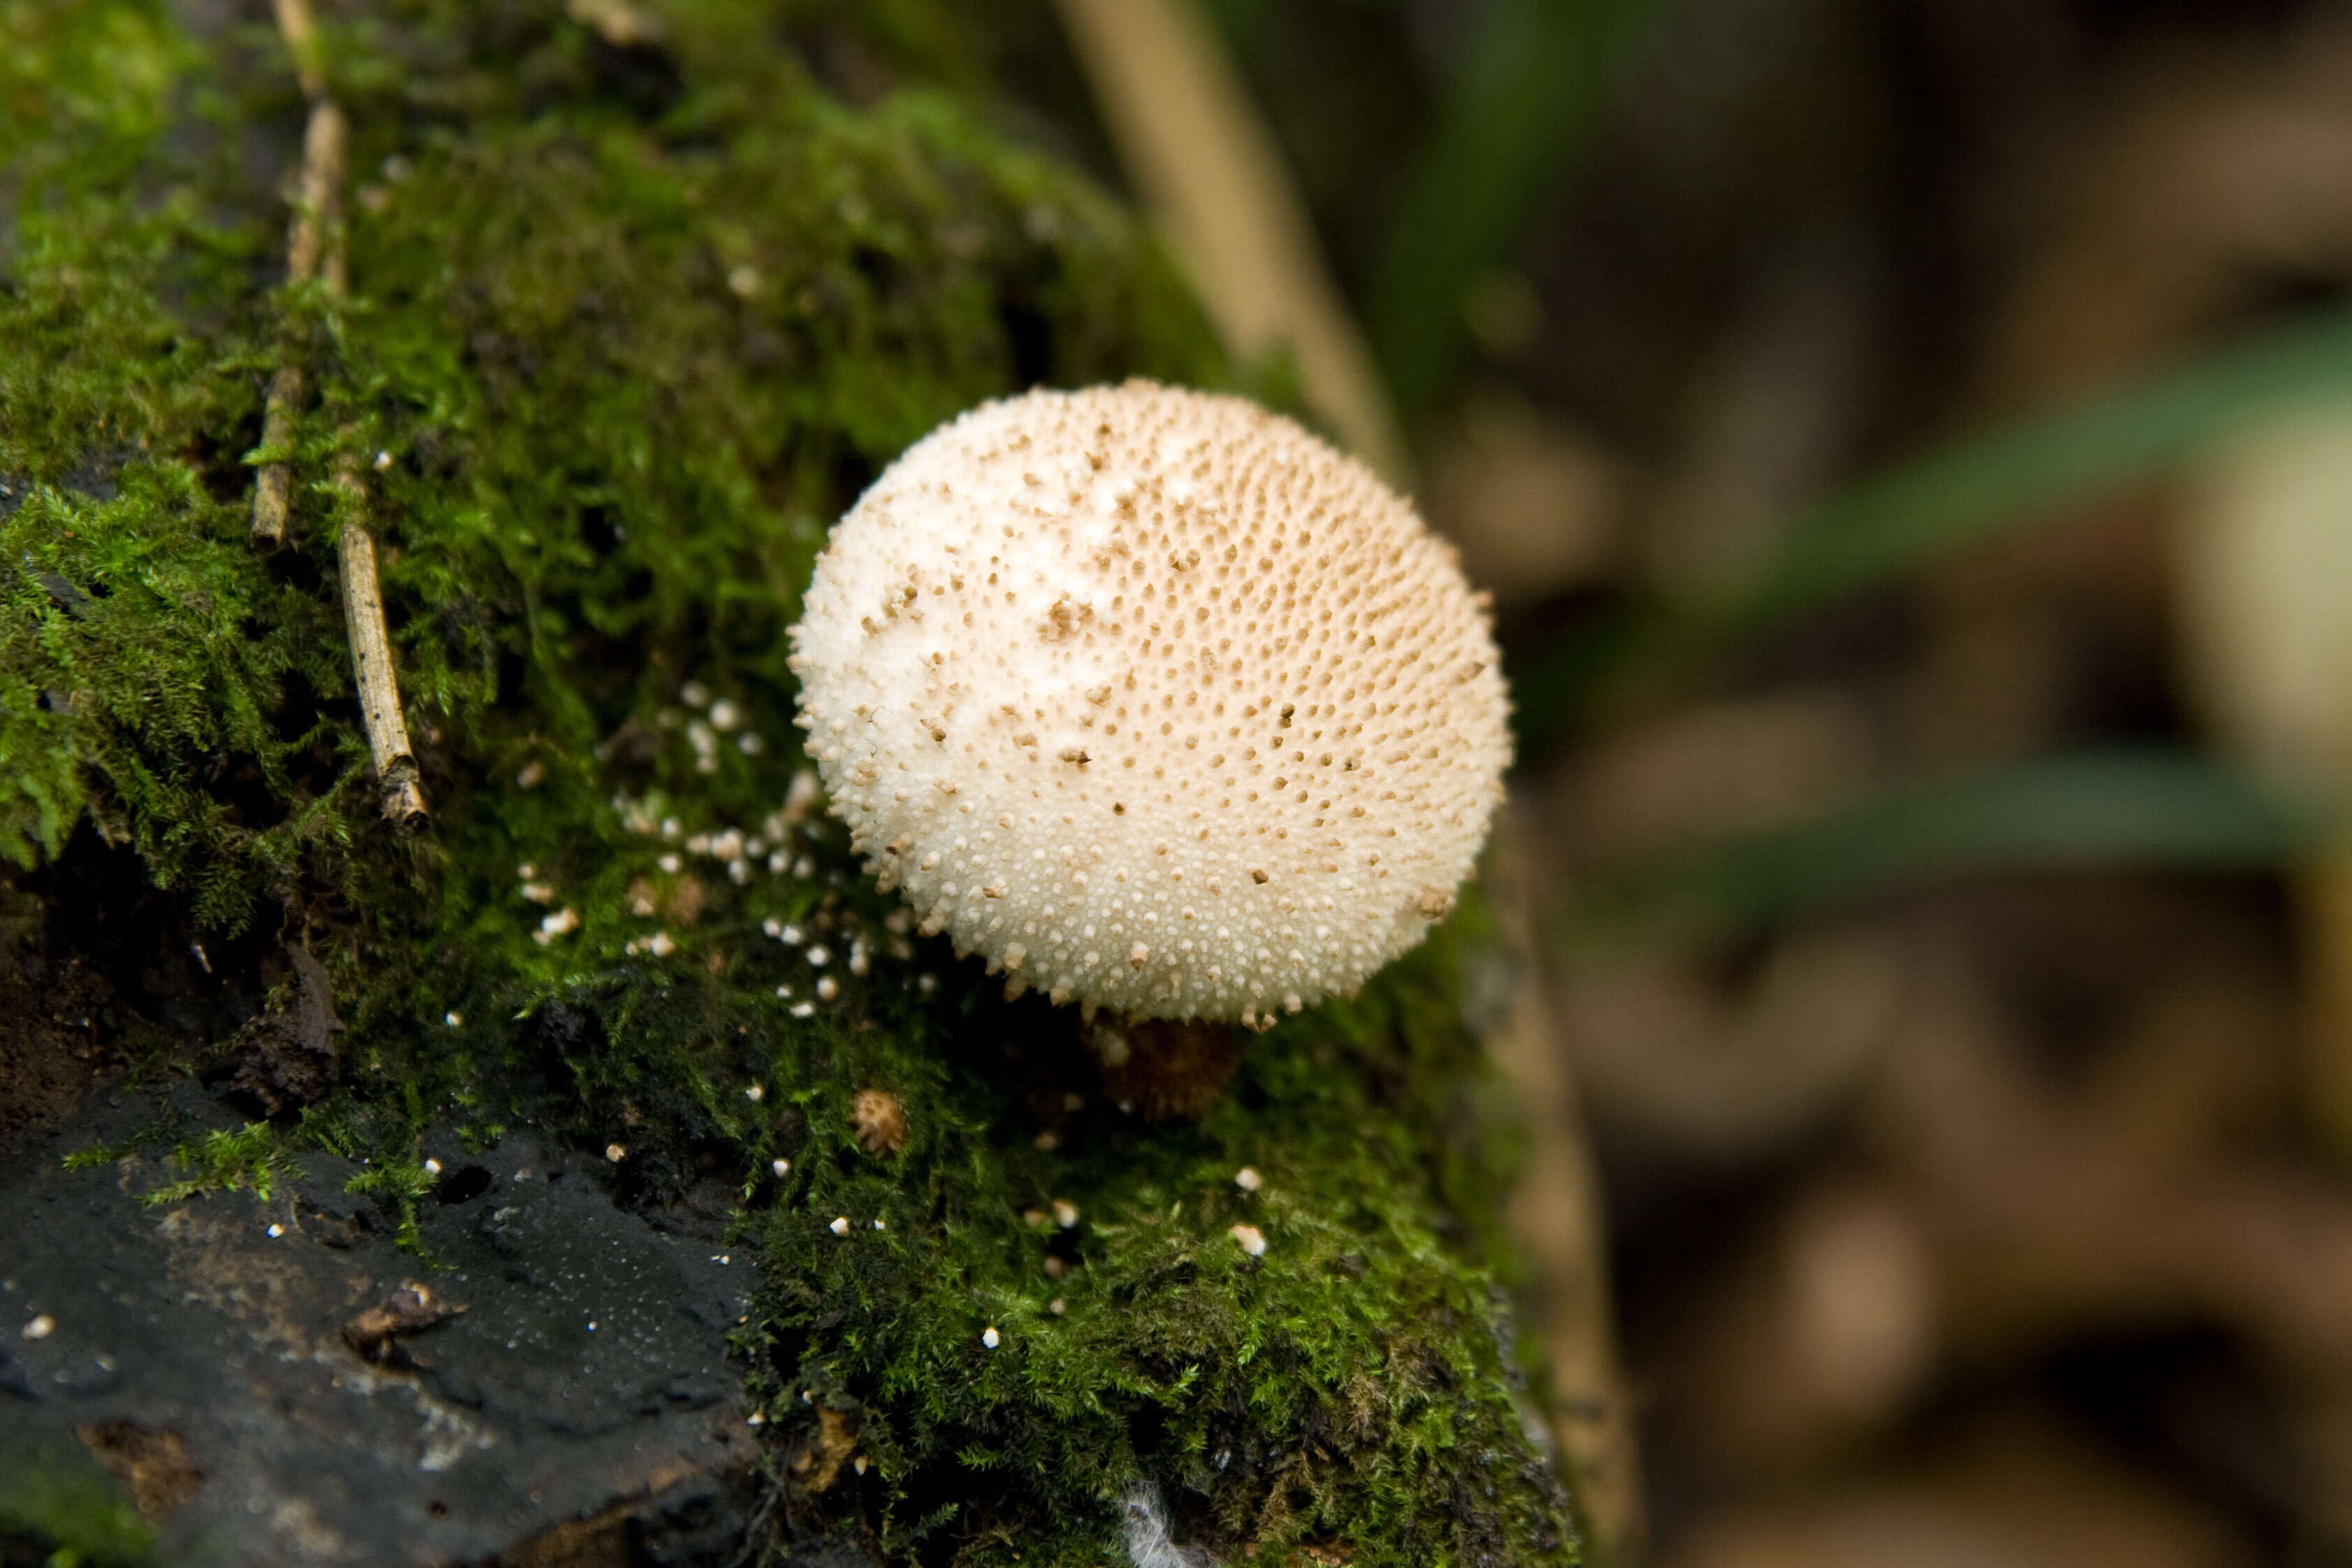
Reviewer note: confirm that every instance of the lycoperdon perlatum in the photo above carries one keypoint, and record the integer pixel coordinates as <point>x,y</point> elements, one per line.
<point>1155,700</point>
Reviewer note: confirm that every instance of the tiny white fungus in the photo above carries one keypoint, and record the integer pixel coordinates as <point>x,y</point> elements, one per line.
<point>990,1338</point>
<point>1248,1180</point>
<point>1253,1240</point>
<point>840,1227</point>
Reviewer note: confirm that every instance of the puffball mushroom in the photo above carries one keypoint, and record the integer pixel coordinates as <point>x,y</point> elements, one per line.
<point>1155,700</point>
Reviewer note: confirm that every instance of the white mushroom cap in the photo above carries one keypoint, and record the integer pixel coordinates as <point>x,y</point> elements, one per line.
<point>1154,700</point>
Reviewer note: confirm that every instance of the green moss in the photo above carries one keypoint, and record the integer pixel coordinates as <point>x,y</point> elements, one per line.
<point>624,335</point>
<point>1352,1386</point>
<point>61,1504</point>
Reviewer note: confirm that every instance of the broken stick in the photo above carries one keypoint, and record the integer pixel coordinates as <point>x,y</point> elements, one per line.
<point>396,763</point>
<point>314,250</point>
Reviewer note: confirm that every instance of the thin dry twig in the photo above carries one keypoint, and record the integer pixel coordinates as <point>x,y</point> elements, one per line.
<point>1193,143</point>
<point>314,252</point>
<point>395,762</point>
<point>1557,1214</point>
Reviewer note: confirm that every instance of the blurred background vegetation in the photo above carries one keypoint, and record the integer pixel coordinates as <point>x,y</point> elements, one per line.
<point>1910,445</point>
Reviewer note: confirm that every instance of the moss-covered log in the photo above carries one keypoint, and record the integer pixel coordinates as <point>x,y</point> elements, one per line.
<point>637,302</point>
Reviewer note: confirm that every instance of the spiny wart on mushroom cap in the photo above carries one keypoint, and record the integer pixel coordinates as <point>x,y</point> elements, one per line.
<point>1154,700</point>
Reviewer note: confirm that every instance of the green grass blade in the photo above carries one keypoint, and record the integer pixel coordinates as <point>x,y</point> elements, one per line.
<point>1926,511</point>
<point>2019,474</point>
<point>1531,80</point>
<point>2093,809</point>
<point>2015,475</point>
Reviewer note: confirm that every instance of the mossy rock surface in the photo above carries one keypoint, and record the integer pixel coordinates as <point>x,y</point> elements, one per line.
<point>628,324</point>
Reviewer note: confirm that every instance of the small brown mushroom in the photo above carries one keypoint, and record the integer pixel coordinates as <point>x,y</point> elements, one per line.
<point>880,1122</point>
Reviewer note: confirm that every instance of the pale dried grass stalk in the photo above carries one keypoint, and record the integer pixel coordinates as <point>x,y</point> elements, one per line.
<point>1199,152</point>
<point>314,252</point>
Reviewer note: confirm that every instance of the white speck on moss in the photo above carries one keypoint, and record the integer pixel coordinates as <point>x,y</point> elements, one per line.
<point>990,1338</point>
<point>1065,1214</point>
<point>615,1153</point>
<point>1252,1239</point>
<point>779,1167</point>
<point>1248,1180</point>
<point>840,1227</point>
